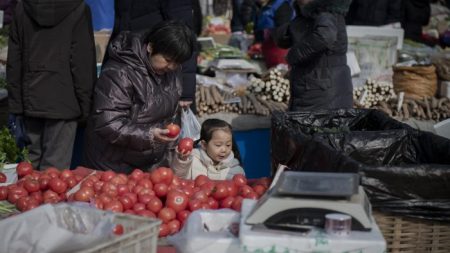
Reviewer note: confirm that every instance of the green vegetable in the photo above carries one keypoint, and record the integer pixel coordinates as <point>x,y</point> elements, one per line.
<point>9,152</point>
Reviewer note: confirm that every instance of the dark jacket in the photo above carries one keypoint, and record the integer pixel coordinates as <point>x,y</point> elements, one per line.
<point>416,13</point>
<point>51,59</point>
<point>320,78</point>
<point>278,15</point>
<point>374,12</point>
<point>129,100</point>
<point>139,15</point>
<point>7,6</point>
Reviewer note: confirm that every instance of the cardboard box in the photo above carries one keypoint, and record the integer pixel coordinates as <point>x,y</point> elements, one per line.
<point>101,43</point>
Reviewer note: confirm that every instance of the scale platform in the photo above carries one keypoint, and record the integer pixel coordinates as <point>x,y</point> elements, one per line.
<point>299,200</point>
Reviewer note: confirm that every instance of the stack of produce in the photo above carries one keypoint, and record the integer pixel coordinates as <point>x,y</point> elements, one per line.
<point>372,93</point>
<point>425,109</point>
<point>158,194</point>
<point>261,97</point>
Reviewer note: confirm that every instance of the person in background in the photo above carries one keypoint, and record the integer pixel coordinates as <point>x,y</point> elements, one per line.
<point>416,14</point>
<point>317,38</point>
<point>374,12</point>
<point>136,97</point>
<point>7,6</point>
<point>243,14</point>
<point>51,73</point>
<point>273,14</point>
<point>215,158</point>
<point>140,15</point>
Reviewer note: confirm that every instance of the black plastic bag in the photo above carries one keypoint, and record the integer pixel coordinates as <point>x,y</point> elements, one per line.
<point>404,171</point>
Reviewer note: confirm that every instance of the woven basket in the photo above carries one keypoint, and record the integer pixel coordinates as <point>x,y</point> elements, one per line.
<point>417,82</point>
<point>408,235</point>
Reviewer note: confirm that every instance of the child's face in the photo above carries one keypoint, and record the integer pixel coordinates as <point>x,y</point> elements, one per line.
<point>219,147</point>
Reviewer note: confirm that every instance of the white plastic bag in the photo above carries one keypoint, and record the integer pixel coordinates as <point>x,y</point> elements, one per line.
<point>208,231</point>
<point>190,127</point>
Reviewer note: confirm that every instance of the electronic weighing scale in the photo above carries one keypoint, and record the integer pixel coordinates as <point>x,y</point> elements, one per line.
<point>298,201</point>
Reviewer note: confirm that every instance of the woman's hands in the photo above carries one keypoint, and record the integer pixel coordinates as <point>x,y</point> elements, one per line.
<point>161,135</point>
<point>183,155</point>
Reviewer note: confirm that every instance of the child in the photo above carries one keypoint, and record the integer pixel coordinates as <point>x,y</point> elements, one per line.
<point>214,158</point>
<point>317,38</point>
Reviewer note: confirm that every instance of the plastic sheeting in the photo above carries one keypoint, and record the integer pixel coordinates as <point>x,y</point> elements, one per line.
<point>404,171</point>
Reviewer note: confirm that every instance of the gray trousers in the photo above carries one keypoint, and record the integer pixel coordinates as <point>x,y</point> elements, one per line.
<point>51,142</point>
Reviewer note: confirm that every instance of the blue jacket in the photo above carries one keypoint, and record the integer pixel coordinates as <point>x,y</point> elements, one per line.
<point>266,18</point>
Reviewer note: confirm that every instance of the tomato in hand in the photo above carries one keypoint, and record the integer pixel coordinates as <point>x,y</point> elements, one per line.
<point>174,130</point>
<point>185,145</point>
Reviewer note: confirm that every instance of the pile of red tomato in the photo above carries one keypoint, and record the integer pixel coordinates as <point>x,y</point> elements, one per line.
<point>158,194</point>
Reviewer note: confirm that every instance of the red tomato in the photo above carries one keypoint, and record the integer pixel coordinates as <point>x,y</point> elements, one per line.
<point>107,175</point>
<point>177,200</point>
<point>84,194</point>
<point>208,187</point>
<point>160,189</point>
<point>183,215</point>
<point>71,182</point>
<point>98,204</point>
<point>174,226</point>
<point>122,189</point>
<point>188,191</point>
<point>37,196</point>
<point>244,190</point>
<point>104,198</point>
<point>166,175</point>
<point>251,195</point>
<point>31,185</point>
<point>118,229</point>
<point>259,189</point>
<point>154,205</point>
<point>32,203</point>
<point>227,202</point>
<point>43,182</point>
<point>176,181</point>
<point>136,175</point>
<point>220,191</point>
<point>131,183</point>
<point>200,180</point>
<point>146,183</point>
<point>133,197</point>
<point>65,174</point>
<point>145,198</point>
<point>2,178</point>
<point>138,207</point>
<point>3,193</point>
<point>114,206</point>
<point>118,180</point>
<point>16,193</point>
<point>88,183</point>
<point>232,189</point>
<point>109,187</point>
<point>57,185</point>
<point>200,196</point>
<point>185,145</point>
<point>195,204</point>
<point>164,230</point>
<point>239,180</point>
<point>22,203</point>
<point>237,203</point>
<point>51,197</point>
<point>23,169</point>
<point>174,130</point>
<point>212,203</point>
<point>35,175</point>
<point>146,213</point>
<point>166,214</point>
<point>155,176</point>
<point>98,185</point>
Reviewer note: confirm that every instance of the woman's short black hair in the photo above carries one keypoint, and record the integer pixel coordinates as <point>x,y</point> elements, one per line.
<point>172,39</point>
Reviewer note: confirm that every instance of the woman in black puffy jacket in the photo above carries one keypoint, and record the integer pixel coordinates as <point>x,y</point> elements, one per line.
<point>317,38</point>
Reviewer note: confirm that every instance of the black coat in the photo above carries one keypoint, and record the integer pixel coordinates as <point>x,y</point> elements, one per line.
<point>51,59</point>
<point>139,15</point>
<point>416,13</point>
<point>129,100</point>
<point>320,78</point>
<point>374,12</point>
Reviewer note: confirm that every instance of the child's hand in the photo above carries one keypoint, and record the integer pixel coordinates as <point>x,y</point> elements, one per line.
<point>184,155</point>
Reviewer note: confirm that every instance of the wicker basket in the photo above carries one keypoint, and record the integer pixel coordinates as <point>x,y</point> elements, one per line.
<point>417,82</point>
<point>408,235</point>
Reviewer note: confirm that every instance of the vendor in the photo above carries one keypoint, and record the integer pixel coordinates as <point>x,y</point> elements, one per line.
<point>136,96</point>
<point>317,38</point>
